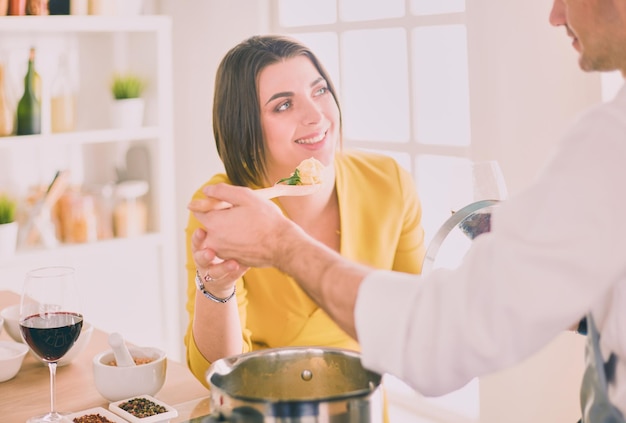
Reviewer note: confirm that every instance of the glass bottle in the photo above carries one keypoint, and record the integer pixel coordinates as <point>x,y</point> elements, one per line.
<point>36,7</point>
<point>29,107</point>
<point>6,112</point>
<point>62,103</point>
<point>17,7</point>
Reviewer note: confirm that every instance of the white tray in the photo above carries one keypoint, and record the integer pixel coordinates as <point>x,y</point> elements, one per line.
<point>170,412</point>
<point>97,410</point>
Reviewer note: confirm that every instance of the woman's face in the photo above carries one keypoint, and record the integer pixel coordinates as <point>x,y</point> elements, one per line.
<point>299,116</point>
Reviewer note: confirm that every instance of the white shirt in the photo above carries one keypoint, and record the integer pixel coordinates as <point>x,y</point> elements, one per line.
<point>555,251</point>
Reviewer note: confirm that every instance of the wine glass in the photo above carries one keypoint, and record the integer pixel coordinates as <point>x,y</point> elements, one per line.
<point>474,184</point>
<point>475,181</point>
<point>50,320</point>
<point>474,189</point>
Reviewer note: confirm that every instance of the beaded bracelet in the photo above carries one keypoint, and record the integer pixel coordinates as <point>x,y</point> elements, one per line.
<point>210,296</point>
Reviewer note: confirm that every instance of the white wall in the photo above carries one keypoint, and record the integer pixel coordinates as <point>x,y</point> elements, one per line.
<point>203,30</point>
<point>534,89</point>
<point>531,89</point>
<point>533,86</point>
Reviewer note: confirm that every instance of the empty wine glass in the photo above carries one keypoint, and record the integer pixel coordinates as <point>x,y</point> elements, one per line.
<point>50,321</point>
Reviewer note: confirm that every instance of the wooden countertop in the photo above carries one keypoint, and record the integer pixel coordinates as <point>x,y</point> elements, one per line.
<point>28,393</point>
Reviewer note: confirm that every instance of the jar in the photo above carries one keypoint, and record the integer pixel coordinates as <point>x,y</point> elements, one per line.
<point>103,204</point>
<point>4,7</point>
<point>7,116</point>
<point>63,99</point>
<point>78,217</point>
<point>101,7</point>
<point>37,7</point>
<point>17,7</point>
<point>130,216</point>
<point>79,7</point>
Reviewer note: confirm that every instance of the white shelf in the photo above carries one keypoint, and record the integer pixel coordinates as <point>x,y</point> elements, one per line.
<point>130,283</point>
<point>81,137</point>
<point>85,24</point>
<point>103,248</point>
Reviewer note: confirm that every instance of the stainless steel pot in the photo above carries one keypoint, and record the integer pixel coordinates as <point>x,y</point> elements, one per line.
<point>295,384</point>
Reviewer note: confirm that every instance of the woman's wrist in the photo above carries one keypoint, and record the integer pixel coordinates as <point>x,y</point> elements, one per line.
<point>218,294</point>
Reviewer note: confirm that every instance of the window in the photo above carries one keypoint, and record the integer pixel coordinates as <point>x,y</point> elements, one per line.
<point>401,69</point>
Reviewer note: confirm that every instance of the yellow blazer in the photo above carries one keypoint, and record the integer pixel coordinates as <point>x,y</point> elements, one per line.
<point>380,215</point>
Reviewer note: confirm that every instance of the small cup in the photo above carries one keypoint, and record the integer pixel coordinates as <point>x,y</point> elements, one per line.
<point>116,383</point>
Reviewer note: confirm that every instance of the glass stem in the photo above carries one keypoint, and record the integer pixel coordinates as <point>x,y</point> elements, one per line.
<point>53,372</point>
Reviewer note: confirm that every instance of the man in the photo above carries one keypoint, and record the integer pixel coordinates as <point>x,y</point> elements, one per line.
<point>519,286</point>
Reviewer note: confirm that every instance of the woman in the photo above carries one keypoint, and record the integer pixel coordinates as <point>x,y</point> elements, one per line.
<point>274,107</point>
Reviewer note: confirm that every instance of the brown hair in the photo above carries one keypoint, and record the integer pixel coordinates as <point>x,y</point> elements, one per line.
<point>236,110</point>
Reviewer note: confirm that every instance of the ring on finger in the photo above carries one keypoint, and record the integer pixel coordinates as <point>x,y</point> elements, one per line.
<point>208,278</point>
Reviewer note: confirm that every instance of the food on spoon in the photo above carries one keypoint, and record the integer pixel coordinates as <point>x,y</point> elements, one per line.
<point>308,172</point>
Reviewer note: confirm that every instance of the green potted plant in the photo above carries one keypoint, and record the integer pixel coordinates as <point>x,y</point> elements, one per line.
<point>128,105</point>
<point>127,85</point>
<point>8,225</point>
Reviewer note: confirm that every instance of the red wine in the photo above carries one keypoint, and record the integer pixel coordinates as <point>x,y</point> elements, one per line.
<point>476,224</point>
<point>51,335</point>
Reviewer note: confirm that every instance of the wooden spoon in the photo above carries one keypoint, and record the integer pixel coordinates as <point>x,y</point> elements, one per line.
<point>279,190</point>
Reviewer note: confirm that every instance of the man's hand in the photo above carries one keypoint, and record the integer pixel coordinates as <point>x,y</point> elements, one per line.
<point>252,231</point>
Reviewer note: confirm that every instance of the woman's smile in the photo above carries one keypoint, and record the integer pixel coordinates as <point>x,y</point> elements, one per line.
<point>312,139</point>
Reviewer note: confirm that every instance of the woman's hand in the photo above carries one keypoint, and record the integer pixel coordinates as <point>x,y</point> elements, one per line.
<point>217,328</point>
<point>219,276</point>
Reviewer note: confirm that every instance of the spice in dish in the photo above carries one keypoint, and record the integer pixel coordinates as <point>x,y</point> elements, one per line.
<point>91,418</point>
<point>142,407</point>
<point>137,360</point>
<point>308,172</point>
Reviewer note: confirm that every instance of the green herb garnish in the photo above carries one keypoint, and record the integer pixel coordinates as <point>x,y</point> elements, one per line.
<point>294,179</point>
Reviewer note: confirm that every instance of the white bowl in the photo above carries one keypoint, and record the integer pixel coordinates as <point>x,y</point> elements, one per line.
<point>116,383</point>
<point>79,345</point>
<point>1,324</point>
<point>11,358</point>
<point>11,316</point>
